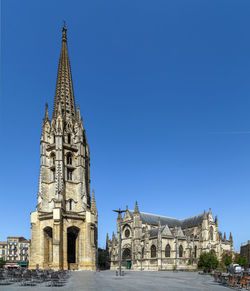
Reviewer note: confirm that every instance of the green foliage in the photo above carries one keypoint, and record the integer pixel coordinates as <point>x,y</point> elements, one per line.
<point>189,262</point>
<point>236,258</point>
<point>2,262</point>
<point>208,261</point>
<point>227,258</point>
<point>242,261</point>
<point>102,258</point>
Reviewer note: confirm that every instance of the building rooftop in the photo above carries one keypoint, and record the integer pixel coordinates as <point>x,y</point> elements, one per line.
<point>153,219</point>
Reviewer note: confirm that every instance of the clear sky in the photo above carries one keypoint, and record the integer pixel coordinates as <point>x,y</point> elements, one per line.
<point>164,91</point>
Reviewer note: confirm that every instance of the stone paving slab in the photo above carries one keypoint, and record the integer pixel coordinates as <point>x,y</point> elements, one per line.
<point>132,281</point>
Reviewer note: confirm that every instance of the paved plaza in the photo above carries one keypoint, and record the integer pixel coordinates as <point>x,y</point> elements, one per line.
<point>132,280</point>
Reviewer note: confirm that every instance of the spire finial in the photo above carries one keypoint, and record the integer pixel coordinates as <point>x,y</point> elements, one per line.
<point>78,115</point>
<point>46,116</point>
<point>216,220</point>
<point>136,208</point>
<point>64,31</point>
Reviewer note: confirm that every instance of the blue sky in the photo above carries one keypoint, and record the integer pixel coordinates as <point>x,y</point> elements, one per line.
<point>164,91</point>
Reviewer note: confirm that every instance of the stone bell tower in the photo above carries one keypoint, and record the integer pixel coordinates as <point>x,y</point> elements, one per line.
<point>64,225</point>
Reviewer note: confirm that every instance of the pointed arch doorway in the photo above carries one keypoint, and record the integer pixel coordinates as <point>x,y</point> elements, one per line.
<point>72,246</point>
<point>126,257</point>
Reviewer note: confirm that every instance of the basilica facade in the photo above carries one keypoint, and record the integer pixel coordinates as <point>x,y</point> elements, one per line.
<point>64,224</point>
<point>154,242</point>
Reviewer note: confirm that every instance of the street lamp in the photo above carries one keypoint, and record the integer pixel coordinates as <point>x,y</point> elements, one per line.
<point>176,251</point>
<point>119,211</point>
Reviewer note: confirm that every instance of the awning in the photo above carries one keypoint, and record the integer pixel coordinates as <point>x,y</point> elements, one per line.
<point>11,265</point>
<point>23,264</point>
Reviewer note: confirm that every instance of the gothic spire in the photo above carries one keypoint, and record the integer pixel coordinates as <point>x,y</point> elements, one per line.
<point>64,94</point>
<point>46,115</point>
<point>136,208</point>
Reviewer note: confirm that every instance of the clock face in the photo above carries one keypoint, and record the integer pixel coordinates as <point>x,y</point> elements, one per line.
<point>127,233</point>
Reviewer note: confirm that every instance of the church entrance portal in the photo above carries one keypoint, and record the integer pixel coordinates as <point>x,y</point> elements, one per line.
<point>72,245</point>
<point>126,257</point>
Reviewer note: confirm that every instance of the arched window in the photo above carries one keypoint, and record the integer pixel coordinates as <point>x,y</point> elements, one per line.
<point>69,138</point>
<point>69,159</point>
<point>142,252</point>
<point>70,204</point>
<point>167,251</point>
<point>195,251</point>
<point>211,233</point>
<point>53,159</point>
<point>180,251</point>
<point>153,251</point>
<point>69,174</point>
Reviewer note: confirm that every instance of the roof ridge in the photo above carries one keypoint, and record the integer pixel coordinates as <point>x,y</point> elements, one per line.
<point>182,219</point>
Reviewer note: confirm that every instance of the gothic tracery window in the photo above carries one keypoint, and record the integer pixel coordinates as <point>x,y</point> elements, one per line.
<point>127,233</point>
<point>211,233</point>
<point>180,251</point>
<point>167,251</point>
<point>153,251</point>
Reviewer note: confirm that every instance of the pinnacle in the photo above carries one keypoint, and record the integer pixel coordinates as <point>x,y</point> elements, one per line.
<point>46,116</point>
<point>136,208</point>
<point>93,204</point>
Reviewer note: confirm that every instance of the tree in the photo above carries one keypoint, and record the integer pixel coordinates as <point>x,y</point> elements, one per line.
<point>242,261</point>
<point>102,258</point>
<point>208,261</point>
<point>227,258</point>
<point>2,263</point>
<point>236,258</point>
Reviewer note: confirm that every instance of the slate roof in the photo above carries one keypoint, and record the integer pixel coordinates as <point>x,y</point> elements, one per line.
<point>153,219</point>
<point>164,231</point>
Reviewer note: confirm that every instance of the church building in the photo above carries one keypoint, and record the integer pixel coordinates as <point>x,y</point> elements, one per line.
<point>64,225</point>
<point>155,242</point>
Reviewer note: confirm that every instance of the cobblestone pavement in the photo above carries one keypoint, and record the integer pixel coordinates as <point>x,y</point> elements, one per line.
<point>132,280</point>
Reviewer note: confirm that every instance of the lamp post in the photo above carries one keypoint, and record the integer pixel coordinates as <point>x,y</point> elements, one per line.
<point>119,211</point>
<point>176,251</point>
